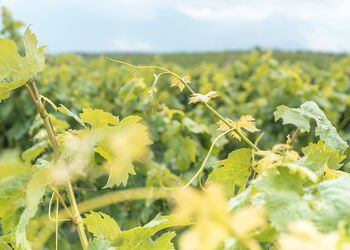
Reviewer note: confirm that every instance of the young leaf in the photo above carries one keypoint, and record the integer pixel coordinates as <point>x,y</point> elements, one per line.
<point>16,70</point>
<point>245,122</point>
<point>195,98</point>
<point>120,149</point>
<point>235,171</point>
<point>100,224</point>
<point>300,117</point>
<point>178,83</point>
<point>210,211</point>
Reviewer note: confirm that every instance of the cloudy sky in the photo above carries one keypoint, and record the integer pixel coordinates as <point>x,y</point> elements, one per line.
<point>186,25</point>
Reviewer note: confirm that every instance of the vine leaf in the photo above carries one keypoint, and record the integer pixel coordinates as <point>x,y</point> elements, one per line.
<point>100,243</point>
<point>101,224</point>
<point>321,159</point>
<point>16,70</point>
<point>12,165</point>
<point>245,123</point>
<point>178,83</point>
<point>98,118</point>
<point>235,171</point>
<point>12,194</point>
<point>214,222</point>
<point>195,98</point>
<point>300,117</point>
<point>304,235</point>
<point>35,191</point>
<point>140,238</point>
<point>120,150</point>
<point>64,110</point>
<point>283,196</point>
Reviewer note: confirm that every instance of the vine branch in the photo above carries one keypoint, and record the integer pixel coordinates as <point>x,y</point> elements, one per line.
<point>75,214</point>
<point>207,106</point>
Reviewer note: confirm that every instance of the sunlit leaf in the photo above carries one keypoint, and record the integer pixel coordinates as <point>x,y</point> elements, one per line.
<point>100,224</point>
<point>16,70</point>
<point>235,171</point>
<point>195,98</point>
<point>98,118</point>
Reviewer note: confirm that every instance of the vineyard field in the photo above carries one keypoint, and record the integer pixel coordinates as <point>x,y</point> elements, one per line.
<point>190,151</point>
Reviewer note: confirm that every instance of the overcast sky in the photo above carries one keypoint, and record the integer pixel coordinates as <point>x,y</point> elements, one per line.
<point>186,25</point>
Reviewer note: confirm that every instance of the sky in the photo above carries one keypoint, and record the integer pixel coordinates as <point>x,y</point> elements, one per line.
<point>186,25</point>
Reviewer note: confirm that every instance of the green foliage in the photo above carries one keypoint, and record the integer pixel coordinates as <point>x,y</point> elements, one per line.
<point>300,117</point>
<point>282,193</point>
<point>235,171</point>
<point>16,70</point>
<point>140,237</point>
<point>101,224</point>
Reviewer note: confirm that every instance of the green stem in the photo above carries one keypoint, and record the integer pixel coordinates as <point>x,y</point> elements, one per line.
<point>211,109</point>
<point>76,218</point>
<point>99,202</point>
<point>207,157</point>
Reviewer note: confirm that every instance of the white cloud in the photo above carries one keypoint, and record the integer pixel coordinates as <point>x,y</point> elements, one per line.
<point>320,39</point>
<point>131,45</point>
<point>209,14</point>
<point>257,10</point>
<point>317,24</point>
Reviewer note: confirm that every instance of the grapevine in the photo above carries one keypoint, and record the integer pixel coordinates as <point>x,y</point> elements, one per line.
<point>119,155</point>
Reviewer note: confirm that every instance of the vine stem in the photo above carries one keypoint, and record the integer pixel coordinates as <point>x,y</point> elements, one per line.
<point>207,106</point>
<point>99,202</point>
<point>76,218</point>
<point>206,158</point>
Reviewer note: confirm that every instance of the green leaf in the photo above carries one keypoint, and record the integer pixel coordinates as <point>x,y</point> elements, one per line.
<point>120,151</point>
<point>235,171</point>
<point>283,195</point>
<point>35,192</point>
<point>332,203</point>
<point>300,117</point>
<point>334,158</point>
<point>12,165</point>
<point>292,116</point>
<point>35,151</point>
<point>318,157</point>
<point>194,127</point>
<point>98,118</point>
<point>67,112</point>
<point>12,194</point>
<point>182,151</point>
<point>139,238</point>
<point>100,243</point>
<point>101,224</point>
<point>4,245</point>
<point>16,70</point>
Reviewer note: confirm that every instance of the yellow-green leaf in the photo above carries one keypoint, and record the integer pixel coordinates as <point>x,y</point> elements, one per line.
<point>98,118</point>
<point>101,224</point>
<point>16,70</point>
